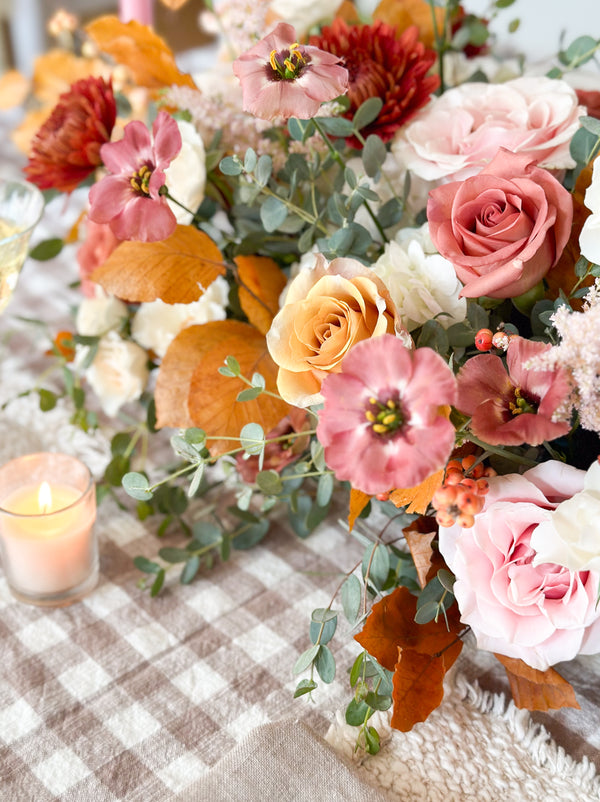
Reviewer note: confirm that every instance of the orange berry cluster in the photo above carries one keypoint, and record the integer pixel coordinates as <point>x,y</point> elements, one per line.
<point>485,340</point>
<point>460,497</point>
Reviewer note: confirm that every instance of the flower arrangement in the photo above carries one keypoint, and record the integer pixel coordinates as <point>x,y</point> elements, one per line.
<point>356,255</point>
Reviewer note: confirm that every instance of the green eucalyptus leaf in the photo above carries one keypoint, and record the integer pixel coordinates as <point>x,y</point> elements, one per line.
<point>137,486</point>
<point>269,483</point>
<point>378,702</point>
<point>325,664</point>
<point>351,597</point>
<point>325,489</point>
<point>264,168</point>
<point>146,565</point>
<point>373,155</point>
<point>230,165</point>
<point>173,555</point>
<point>273,213</point>
<point>190,569</point>
<point>250,160</point>
<point>336,126</point>
<point>47,249</point>
<point>357,713</point>
<point>249,394</point>
<point>322,632</point>
<point>367,112</point>
<point>304,686</point>
<point>252,438</point>
<point>357,668</point>
<point>48,399</point>
<point>196,480</point>
<point>305,659</point>
<point>158,583</point>
<point>376,561</point>
<point>116,470</point>
<point>205,533</point>
<point>248,535</point>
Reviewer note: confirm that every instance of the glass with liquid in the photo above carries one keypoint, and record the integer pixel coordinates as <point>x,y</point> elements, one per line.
<point>21,207</point>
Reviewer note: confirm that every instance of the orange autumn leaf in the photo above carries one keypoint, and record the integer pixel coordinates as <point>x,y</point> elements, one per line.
<point>147,56</point>
<point>14,88</point>
<point>403,13</point>
<point>418,688</point>
<point>190,391</point>
<point>358,501</point>
<point>261,284</point>
<point>419,536</point>
<point>174,270</point>
<point>173,5</point>
<point>562,275</point>
<point>537,690</point>
<point>419,497</point>
<point>391,625</point>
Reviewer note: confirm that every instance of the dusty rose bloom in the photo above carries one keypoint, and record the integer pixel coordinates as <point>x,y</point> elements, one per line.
<point>515,407</point>
<point>282,78</point>
<point>278,455</point>
<point>98,245</point>
<point>383,424</point>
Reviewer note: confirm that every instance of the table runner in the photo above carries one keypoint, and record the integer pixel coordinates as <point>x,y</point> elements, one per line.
<point>127,697</point>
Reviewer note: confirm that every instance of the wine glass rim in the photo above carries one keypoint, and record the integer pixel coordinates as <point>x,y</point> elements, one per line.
<point>28,186</point>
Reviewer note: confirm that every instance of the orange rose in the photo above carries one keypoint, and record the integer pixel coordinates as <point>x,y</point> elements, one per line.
<point>327,309</point>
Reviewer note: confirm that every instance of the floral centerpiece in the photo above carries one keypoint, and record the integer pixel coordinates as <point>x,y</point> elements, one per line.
<point>355,256</point>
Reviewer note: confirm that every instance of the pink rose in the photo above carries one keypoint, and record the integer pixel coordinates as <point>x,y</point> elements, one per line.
<point>502,229</point>
<point>98,245</point>
<point>462,130</point>
<point>542,614</point>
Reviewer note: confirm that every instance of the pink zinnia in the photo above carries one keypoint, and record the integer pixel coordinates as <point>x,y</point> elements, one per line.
<point>129,200</point>
<point>282,78</point>
<point>383,424</point>
<point>514,407</point>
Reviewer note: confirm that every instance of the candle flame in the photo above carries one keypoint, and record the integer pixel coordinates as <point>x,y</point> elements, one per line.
<point>45,498</point>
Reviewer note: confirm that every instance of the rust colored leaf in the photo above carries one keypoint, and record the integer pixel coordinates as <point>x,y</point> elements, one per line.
<point>419,536</point>
<point>261,284</point>
<point>418,688</point>
<point>173,5</point>
<point>391,625</point>
<point>562,275</point>
<point>537,690</point>
<point>419,497</point>
<point>403,13</point>
<point>171,269</point>
<point>136,46</point>
<point>212,401</point>
<point>358,501</point>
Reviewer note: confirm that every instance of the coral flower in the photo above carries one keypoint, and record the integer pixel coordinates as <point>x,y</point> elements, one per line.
<point>516,407</point>
<point>381,65</point>
<point>383,424</point>
<point>282,78</point>
<point>66,149</point>
<point>129,199</point>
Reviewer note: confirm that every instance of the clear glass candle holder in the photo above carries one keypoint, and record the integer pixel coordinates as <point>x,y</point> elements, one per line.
<point>21,207</point>
<point>48,544</point>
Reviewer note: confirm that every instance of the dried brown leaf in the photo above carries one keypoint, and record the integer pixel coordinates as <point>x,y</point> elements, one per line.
<point>261,284</point>
<point>537,690</point>
<point>358,501</point>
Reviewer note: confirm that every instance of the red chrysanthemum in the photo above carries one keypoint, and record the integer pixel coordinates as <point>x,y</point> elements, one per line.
<point>381,65</point>
<point>66,149</point>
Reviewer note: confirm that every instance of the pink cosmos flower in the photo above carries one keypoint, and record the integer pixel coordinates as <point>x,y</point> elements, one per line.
<point>282,78</point>
<point>383,424</point>
<point>540,613</point>
<point>129,199</point>
<point>515,407</point>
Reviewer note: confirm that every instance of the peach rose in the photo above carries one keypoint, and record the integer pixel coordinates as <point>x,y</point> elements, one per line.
<point>502,229</point>
<point>327,309</point>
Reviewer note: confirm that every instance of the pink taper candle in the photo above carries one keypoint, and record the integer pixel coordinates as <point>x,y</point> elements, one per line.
<point>139,10</point>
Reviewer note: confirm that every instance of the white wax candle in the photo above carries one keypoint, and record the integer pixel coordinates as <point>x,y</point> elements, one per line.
<point>48,548</point>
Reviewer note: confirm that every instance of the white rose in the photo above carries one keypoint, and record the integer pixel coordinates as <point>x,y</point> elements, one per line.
<point>185,177</point>
<point>118,373</point>
<point>98,316</point>
<point>156,324</point>
<point>422,283</point>
<point>571,536</point>
<point>589,239</point>
<point>303,14</point>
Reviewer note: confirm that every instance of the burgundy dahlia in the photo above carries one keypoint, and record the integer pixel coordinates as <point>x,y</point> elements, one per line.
<point>66,149</point>
<point>381,65</point>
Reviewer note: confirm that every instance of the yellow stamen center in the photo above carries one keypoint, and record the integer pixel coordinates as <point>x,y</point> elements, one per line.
<point>141,179</point>
<point>386,418</point>
<point>520,404</point>
<point>287,64</point>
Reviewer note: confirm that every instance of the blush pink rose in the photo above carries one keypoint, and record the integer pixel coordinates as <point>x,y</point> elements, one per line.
<point>504,228</point>
<point>461,131</point>
<point>542,614</point>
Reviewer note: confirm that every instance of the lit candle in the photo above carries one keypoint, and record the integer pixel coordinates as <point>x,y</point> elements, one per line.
<point>47,514</point>
<point>139,10</point>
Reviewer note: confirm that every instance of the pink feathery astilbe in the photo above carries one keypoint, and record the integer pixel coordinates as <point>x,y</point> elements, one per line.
<point>129,198</point>
<point>383,424</point>
<point>282,78</point>
<point>515,407</point>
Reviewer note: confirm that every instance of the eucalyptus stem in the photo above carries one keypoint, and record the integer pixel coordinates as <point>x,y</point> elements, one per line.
<point>500,452</point>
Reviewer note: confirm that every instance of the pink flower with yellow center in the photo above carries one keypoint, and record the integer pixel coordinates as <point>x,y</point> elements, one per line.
<point>129,199</point>
<point>282,78</point>
<point>383,424</point>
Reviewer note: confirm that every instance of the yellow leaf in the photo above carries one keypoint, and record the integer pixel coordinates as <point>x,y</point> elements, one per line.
<point>137,47</point>
<point>418,498</point>
<point>261,284</point>
<point>419,537</point>
<point>174,270</point>
<point>358,501</point>
<point>404,13</point>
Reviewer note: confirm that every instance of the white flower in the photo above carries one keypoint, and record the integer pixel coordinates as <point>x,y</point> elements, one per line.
<point>97,316</point>
<point>156,324</point>
<point>186,175</point>
<point>118,373</point>
<point>303,14</point>
<point>589,239</point>
<point>571,537</point>
<point>422,283</point>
